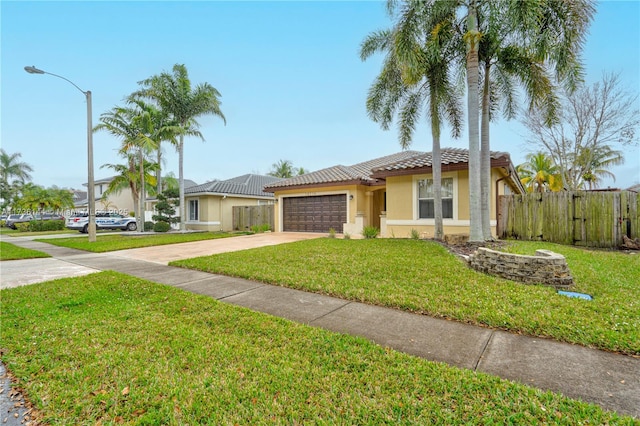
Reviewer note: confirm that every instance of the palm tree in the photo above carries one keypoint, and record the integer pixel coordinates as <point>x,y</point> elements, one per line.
<point>176,97</point>
<point>595,163</point>
<point>133,125</point>
<point>518,47</point>
<point>282,169</point>
<point>415,72</point>
<point>13,174</point>
<point>539,174</point>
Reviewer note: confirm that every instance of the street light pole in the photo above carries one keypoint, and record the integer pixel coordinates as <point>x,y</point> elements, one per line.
<point>90,185</point>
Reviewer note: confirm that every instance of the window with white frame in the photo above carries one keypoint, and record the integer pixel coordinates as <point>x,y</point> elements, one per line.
<point>425,198</point>
<point>193,210</point>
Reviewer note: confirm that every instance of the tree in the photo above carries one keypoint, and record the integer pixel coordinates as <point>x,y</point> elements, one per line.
<point>539,174</point>
<point>13,174</point>
<point>183,104</point>
<point>36,198</point>
<point>285,169</point>
<point>596,162</point>
<point>166,206</point>
<point>415,72</point>
<point>594,121</point>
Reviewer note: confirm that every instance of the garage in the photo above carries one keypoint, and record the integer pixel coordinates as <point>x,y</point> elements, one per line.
<point>314,214</point>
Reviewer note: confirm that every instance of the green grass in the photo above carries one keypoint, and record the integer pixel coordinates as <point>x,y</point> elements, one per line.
<point>105,243</point>
<point>423,277</point>
<point>10,251</point>
<point>108,349</point>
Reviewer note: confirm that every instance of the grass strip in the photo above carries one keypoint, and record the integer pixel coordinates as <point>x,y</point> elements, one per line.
<point>108,348</point>
<point>106,243</point>
<point>422,276</point>
<point>10,251</point>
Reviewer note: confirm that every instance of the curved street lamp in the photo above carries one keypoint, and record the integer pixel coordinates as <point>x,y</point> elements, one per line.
<point>90,185</point>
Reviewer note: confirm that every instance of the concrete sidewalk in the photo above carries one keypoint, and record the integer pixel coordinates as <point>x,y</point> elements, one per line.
<point>609,380</point>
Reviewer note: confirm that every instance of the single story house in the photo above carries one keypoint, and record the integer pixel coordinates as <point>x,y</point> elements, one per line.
<point>209,206</point>
<point>392,193</point>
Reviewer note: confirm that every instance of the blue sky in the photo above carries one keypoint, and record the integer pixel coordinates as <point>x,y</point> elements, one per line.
<point>292,84</point>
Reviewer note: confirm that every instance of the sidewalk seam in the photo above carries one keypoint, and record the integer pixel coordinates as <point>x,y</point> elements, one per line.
<point>348,302</point>
<point>484,349</point>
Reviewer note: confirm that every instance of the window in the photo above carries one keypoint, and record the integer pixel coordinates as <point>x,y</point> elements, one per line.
<point>425,198</point>
<point>193,210</point>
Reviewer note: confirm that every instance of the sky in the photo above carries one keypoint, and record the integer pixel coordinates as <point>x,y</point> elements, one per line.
<point>292,84</point>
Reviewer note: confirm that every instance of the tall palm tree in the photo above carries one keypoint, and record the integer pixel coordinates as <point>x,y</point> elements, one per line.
<point>132,125</point>
<point>175,96</point>
<point>519,46</point>
<point>13,173</point>
<point>415,72</point>
<point>539,174</point>
<point>595,164</point>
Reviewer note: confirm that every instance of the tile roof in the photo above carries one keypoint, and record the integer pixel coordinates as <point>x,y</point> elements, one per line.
<point>361,171</point>
<point>448,156</point>
<point>249,184</point>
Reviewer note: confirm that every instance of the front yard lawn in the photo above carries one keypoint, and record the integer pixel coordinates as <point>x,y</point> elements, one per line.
<point>422,276</point>
<point>10,251</point>
<point>108,349</point>
<point>105,243</point>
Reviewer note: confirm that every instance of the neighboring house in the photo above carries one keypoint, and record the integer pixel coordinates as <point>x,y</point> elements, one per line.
<point>210,206</point>
<point>392,193</point>
<point>121,202</point>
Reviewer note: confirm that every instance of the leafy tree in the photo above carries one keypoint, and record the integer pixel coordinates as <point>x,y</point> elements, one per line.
<point>539,174</point>
<point>595,120</point>
<point>13,174</point>
<point>166,206</point>
<point>183,104</point>
<point>596,163</point>
<point>36,198</point>
<point>285,169</point>
<point>415,72</point>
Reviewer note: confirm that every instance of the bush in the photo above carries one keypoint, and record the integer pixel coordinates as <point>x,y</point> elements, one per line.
<point>148,226</point>
<point>370,232</point>
<point>22,226</point>
<point>347,236</point>
<point>46,225</point>
<point>257,229</point>
<point>2,222</point>
<point>332,233</point>
<point>415,235</point>
<point>161,227</point>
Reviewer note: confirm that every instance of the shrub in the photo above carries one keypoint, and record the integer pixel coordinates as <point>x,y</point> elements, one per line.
<point>161,227</point>
<point>332,233</point>
<point>148,226</point>
<point>415,235</point>
<point>2,222</point>
<point>347,236</point>
<point>257,229</point>
<point>370,232</point>
<point>23,226</point>
<point>46,225</point>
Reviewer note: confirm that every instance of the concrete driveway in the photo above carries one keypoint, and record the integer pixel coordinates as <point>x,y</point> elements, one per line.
<point>168,253</point>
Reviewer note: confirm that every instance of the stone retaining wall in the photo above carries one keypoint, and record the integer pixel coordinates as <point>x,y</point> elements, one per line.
<point>546,267</point>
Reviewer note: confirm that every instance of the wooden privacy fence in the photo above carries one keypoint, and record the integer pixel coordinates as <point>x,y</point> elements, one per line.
<point>593,219</point>
<point>244,217</point>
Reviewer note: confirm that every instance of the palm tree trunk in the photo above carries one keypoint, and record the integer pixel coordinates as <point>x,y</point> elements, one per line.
<point>473,39</point>
<point>485,159</point>
<point>142,197</point>
<point>436,167</point>
<point>159,172</point>
<point>181,181</point>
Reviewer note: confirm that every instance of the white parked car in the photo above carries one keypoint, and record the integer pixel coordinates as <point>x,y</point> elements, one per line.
<point>103,221</point>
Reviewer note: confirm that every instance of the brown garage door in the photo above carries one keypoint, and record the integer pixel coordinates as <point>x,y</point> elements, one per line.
<point>314,214</point>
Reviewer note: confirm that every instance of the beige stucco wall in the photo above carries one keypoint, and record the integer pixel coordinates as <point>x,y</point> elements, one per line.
<point>216,211</point>
<point>402,206</point>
